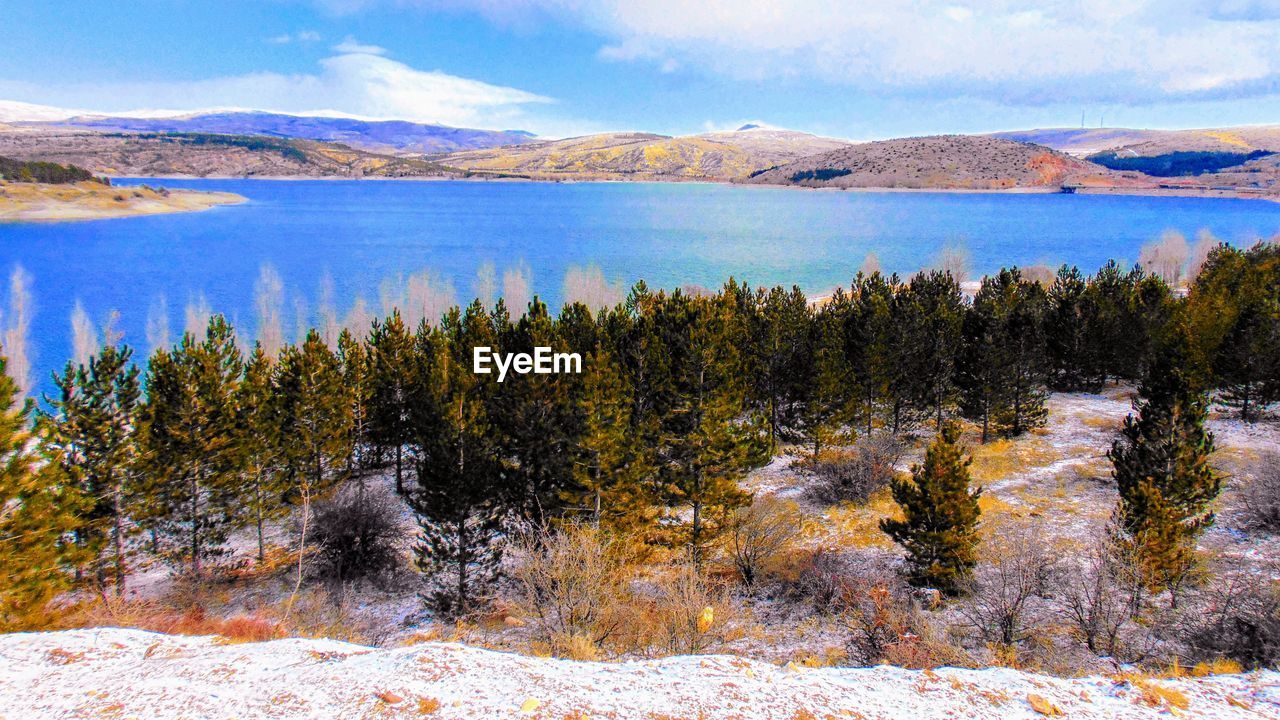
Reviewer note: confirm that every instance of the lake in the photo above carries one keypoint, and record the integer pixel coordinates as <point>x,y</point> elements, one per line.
<point>349,239</point>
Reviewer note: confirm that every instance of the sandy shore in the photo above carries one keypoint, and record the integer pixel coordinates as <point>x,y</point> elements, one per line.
<point>93,201</point>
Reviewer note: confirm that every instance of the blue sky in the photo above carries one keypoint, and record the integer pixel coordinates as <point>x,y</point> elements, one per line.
<point>859,70</point>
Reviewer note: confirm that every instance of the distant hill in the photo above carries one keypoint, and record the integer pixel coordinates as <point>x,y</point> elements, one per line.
<point>1090,141</point>
<point>711,156</point>
<point>203,154</point>
<point>1165,153</point>
<point>941,162</point>
<point>376,135</point>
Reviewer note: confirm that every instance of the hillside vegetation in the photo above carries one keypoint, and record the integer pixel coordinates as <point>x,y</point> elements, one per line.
<point>205,154</point>
<point>712,156</point>
<point>942,162</point>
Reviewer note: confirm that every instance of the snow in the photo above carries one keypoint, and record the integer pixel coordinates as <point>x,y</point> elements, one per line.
<point>130,673</point>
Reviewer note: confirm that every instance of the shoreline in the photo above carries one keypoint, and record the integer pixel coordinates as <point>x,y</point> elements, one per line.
<point>1030,190</point>
<point>34,202</point>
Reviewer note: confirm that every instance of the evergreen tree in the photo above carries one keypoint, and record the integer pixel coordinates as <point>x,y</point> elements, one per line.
<point>829,403</point>
<point>1003,364</point>
<point>357,378</point>
<point>779,357</point>
<point>610,483</point>
<point>534,419</point>
<point>38,508</point>
<point>461,499</point>
<point>940,516</point>
<point>932,318</point>
<point>1161,468</point>
<point>1074,360</point>
<point>390,370</point>
<point>1112,295</point>
<point>92,430</point>
<point>705,447</point>
<point>315,416</point>
<point>868,342</point>
<point>192,444</point>
<point>261,444</point>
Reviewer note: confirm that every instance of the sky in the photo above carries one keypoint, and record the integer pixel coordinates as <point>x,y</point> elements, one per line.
<point>859,70</point>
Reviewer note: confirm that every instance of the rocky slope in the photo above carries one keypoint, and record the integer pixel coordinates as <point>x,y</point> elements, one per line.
<point>1088,141</point>
<point>129,673</point>
<point>711,156</point>
<point>160,154</point>
<point>936,162</point>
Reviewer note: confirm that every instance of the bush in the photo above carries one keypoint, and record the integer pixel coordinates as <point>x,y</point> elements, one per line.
<point>688,616</point>
<point>1240,621</point>
<point>356,535</point>
<point>1002,605</point>
<point>854,475</point>
<point>570,585</point>
<point>1262,494</point>
<point>886,624</point>
<point>760,534</point>
<point>1102,598</point>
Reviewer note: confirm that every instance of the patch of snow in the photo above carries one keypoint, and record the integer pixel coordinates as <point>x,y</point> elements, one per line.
<point>129,673</point>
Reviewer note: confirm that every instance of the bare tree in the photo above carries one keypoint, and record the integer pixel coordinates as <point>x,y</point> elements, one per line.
<point>84,337</point>
<point>1262,493</point>
<point>485,286</point>
<point>589,287</point>
<point>1002,599</point>
<point>197,314</point>
<point>517,288</point>
<point>953,258</point>
<point>15,340</point>
<point>268,300</point>
<point>1166,257</point>
<point>1102,598</point>
<point>760,533</point>
<point>158,324</point>
<point>870,264</point>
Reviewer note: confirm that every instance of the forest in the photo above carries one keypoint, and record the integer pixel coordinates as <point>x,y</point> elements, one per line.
<point>681,395</point>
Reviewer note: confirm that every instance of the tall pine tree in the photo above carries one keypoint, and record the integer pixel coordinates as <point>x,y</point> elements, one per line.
<point>940,516</point>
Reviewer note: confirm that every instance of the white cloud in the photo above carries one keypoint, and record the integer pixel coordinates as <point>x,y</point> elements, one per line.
<point>359,84</point>
<point>1027,52</point>
<point>302,36</point>
<point>351,45</point>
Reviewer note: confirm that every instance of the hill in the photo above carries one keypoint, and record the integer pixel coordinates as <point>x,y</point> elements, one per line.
<point>376,135</point>
<point>1089,141</point>
<point>710,156</point>
<point>935,162</point>
<point>128,673</point>
<point>202,154</point>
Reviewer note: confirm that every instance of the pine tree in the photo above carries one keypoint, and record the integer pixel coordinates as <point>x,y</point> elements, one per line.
<point>609,473</point>
<point>1161,468</point>
<point>261,444</point>
<point>705,447</point>
<point>829,402</point>
<point>932,317</point>
<point>357,378</point>
<point>1072,322</point>
<point>940,516</point>
<point>390,370</point>
<point>779,355</point>
<point>461,498</point>
<point>38,508</point>
<point>192,445</point>
<point>1002,368</point>
<point>868,342</point>
<point>92,429</point>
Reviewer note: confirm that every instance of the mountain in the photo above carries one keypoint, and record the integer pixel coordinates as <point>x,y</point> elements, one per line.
<point>940,161</point>
<point>376,135</point>
<point>111,672</point>
<point>630,155</point>
<point>203,154</point>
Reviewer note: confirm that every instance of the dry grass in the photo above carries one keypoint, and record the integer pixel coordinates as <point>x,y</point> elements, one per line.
<point>855,526</point>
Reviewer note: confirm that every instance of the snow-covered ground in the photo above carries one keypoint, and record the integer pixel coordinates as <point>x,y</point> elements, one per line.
<point>114,673</point>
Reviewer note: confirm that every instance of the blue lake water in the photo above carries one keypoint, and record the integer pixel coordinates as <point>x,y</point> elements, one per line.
<point>362,233</point>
